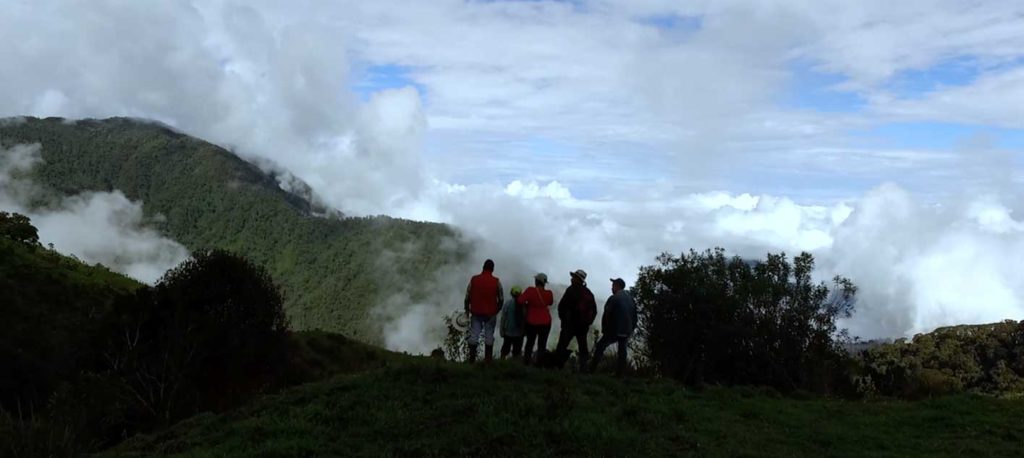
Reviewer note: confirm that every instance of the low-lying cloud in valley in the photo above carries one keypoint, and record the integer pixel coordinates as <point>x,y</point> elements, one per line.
<point>558,136</point>
<point>96,227</point>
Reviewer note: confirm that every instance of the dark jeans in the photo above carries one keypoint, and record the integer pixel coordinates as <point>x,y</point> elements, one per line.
<point>566,336</point>
<point>538,334</point>
<point>602,345</point>
<point>513,344</point>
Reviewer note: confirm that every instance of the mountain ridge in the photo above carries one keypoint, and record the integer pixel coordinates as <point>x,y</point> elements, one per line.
<point>204,196</point>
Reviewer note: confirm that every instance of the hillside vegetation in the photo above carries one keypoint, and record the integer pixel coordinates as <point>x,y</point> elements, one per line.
<point>100,348</point>
<point>89,357</point>
<point>987,358</point>
<point>52,305</point>
<point>420,407</point>
<point>331,269</point>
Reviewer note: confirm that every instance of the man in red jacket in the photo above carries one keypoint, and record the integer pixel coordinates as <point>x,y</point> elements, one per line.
<point>484,297</point>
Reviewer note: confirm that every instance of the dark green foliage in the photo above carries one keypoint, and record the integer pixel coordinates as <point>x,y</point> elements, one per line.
<point>19,228</point>
<point>210,334</point>
<point>89,357</point>
<point>418,407</point>
<point>706,318</point>
<point>52,403</point>
<point>52,308</point>
<point>980,358</point>
<point>316,355</point>
<point>332,270</point>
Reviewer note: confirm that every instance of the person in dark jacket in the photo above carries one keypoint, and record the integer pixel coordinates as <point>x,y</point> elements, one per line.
<point>577,311</point>
<point>484,298</point>
<point>617,325</point>
<point>513,325</point>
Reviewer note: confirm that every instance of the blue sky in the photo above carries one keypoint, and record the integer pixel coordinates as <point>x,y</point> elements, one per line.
<point>808,88</point>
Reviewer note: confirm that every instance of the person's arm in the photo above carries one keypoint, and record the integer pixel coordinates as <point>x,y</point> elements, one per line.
<point>618,312</point>
<point>521,300</point>
<point>465,303</point>
<point>633,314</point>
<point>607,315</point>
<point>564,304</point>
<point>501,296</point>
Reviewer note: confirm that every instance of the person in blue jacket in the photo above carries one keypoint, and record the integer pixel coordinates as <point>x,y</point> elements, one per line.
<point>617,325</point>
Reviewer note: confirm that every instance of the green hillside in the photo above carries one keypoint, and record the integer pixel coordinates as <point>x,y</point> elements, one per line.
<point>75,341</point>
<point>420,407</point>
<point>51,307</point>
<point>329,267</point>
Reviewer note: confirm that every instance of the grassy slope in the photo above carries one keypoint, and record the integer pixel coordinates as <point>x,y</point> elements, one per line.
<point>329,268</point>
<point>50,305</point>
<point>416,406</point>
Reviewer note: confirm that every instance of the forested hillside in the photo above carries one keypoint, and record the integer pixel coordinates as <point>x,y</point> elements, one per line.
<point>329,268</point>
<point>52,306</point>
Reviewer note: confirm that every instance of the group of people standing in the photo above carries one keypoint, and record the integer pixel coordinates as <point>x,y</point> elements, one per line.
<point>527,316</point>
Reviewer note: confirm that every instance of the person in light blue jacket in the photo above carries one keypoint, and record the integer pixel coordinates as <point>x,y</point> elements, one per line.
<point>513,324</point>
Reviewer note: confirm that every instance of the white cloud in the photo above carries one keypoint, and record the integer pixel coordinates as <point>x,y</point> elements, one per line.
<point>991,100</point>
<point>97,227</point>
<point>567,135</point>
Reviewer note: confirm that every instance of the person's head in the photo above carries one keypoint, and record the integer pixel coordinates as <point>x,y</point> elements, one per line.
<point>540,279</point>
<point>618,284</point>
<point>516,291</point>
<point>489,265</point>
<point>579,277</point>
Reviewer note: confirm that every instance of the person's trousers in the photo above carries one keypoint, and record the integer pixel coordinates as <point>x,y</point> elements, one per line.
<point>513,345</point>
<point>602,345</point>
<point>538,334</point>
<point>566,336</point>
<point>485,324</point>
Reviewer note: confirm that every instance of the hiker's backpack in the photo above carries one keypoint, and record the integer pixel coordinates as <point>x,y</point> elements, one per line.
<point>586,307</point>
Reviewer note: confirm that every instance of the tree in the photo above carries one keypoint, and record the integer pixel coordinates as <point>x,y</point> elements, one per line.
<point>211,332</point>
<point>19,228</point>
<point>706,318</point>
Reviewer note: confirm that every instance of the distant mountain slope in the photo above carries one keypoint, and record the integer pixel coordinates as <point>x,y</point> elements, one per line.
<point>329,268</point>
<point>51,306</point>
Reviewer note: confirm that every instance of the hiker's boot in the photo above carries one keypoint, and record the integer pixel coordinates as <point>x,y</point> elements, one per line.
<point>488,353</point>
<point>472,354</point>
<point>584,362</point>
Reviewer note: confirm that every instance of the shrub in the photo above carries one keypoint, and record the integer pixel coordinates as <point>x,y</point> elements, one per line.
<point>986,358</point>
<point>706,318</point>
<point>208,335</point>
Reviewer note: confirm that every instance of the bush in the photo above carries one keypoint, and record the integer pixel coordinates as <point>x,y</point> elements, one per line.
<point>986,358</point>
<point>207,336</point>
<point>706,318</point>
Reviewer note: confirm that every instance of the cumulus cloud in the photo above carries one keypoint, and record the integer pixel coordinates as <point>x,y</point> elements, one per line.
<point>99,227</point>
<point>918,265</point>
